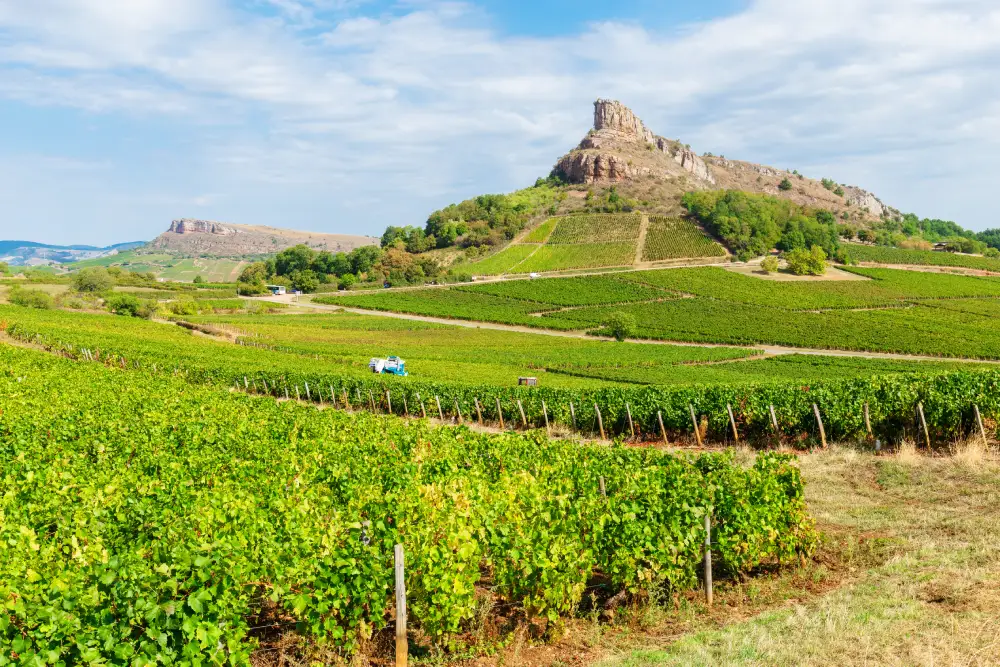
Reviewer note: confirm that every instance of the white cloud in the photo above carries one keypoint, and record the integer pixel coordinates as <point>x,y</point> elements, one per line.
<point>409,110</point>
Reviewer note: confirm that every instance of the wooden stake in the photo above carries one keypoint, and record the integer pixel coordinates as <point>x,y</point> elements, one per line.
<point>371,399</point>
<point>347,402</point>
<point>923,422</point>
<point>819,421</point>
<point>708,558</point>
<point>631,426</point>
<point>572,413</point>
<point>732,422</point>
<point>298,396</point>
<point>663,431</point>
<point>500,414</point>
<point>694,422</point>
<point>423,412</point>
<point>458,411</point>
<point>604,491</point>
<point>774,420</point>
<point>600,421</point>
<point>388,400</point>
<point>406,408</point>
<point>868,421</point>
<point>308,395</point>
<point>402,649</point>
<point>479,411</point>
<point>979,422</point>
<point>286,392</point>
<point>545,413</point>
<point>440,411</point>
<point>333,397</point>
<point>246,385</point>
<point>524,420</point>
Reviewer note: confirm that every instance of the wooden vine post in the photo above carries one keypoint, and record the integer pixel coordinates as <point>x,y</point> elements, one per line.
<point>406,408</point>
<point>732,422</point>
<point>298,396</point>
<point>402,648</point>
<point>694,422</point>
<point>479,411</point>
<point>423,412</point>
<point>458,411</point>
<point>440,411</point>
<point>524,420</point>
<point>600,421</point>
<point>545,413</point>
<point>631,425</point>
<point>663,431</point>
<point>868,421</point>
<point>774,420</point>
<point>708,557</point>
<point>371,399</point>
<point>979,422</point>
<point>923,422</point>
<point>604,491</point>
<point>388,400</point>
<point>819,421</point>
<point>572,414</point>
<point>500,414</point>
<point>347,402</point>
<point>308,395</point>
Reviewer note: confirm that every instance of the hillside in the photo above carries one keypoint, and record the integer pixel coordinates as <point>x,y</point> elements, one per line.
<point>29,253</point>
<point>621,150</point>
<point>216,239</point>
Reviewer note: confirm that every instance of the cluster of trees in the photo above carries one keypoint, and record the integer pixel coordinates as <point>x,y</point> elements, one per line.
<point>752,224</point>
<point>305,269</point>
<point>920,233</point>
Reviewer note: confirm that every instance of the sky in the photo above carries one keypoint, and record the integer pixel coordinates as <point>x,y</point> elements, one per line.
<point>345,116</point>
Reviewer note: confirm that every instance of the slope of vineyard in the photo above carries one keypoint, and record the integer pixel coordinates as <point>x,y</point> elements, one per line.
<point>887,255</point>
<point>677,238</point>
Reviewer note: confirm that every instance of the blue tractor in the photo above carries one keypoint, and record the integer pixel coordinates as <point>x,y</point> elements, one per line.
<point>392,366</point>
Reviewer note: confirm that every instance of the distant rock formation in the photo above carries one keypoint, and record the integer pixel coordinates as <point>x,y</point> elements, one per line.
<point>188,236</point>
<point>621,147</point>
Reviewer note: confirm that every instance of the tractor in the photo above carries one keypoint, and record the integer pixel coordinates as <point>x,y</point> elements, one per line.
<point>392,366</point>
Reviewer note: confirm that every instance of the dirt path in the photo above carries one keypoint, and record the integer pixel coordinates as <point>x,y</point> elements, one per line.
<point>641,243</point>
<point>765,350</point>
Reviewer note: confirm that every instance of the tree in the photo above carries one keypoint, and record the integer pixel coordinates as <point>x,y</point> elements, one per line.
<point>198,280</point>
<point>93,279</point>
<point>991,252</point>
<point>255,273</point>
<point>785,185</point>
<point>296,258</point>
<point>621,326</point>
<point>804,262</point>
<point>364,258</point>
<point>839,191</point>
<point>305,281</point>
<point>866,235</point>
<point>347,281</point>
<point>770,264</point>
<point>127,304</point>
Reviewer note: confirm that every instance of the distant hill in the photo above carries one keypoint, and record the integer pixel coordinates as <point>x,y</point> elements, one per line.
<point>217,239</point>
<point>29,253</point>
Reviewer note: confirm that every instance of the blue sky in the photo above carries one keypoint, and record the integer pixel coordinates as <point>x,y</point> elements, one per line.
<point>347,115</point>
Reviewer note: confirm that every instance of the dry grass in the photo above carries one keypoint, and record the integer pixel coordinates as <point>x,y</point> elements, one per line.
<point>934,599</point>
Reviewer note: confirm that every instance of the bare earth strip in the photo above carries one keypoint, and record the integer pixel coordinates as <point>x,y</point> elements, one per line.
<point>769,350</point>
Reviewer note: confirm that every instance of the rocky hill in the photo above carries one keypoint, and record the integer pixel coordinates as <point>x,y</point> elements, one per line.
<point>217,239</point>
<point>621,150</point>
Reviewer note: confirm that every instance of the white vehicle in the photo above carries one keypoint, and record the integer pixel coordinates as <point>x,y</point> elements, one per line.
<point>533,275</point>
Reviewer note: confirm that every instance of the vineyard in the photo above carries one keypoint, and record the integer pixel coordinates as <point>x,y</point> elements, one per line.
<point>674,238</point>
<point>597,228</point>
<point>148,520</point>
<point>888,255</point>
<point>578,256</point>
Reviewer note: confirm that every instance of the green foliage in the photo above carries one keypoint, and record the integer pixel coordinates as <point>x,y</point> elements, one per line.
<point>4,268</point>
<point>128,304</point>
<point>751,224</point>
<point>785,185</point>
<point>620,326</point>
<point>93,279</point>
<point>829,184</point>
<point>839,191</point>
<point>888,255</point>
<point>769,264</point>
<point>803,262</point>
<point>163,526</point>
<point>198,280</point>
<point>30,298</point>
<point>305,281</point>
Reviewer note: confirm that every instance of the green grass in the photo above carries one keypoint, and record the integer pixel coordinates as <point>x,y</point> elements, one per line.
<point>887,255</point>
<point>674,238</point>
<point>579,256</point>
<point>541,233</point>
<point>501,262</point>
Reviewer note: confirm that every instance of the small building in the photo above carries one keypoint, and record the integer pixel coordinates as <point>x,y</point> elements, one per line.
<point>529,382</point>
<point>276,289</point>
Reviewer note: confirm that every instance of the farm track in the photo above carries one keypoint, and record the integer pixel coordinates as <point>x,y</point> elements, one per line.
<point>766,350</point>
<point>641,243</point>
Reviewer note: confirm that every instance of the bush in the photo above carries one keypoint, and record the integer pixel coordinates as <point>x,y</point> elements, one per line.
<point>621,326</point>
<point>804,262</point>
<point>128,304</point>
<point>93,279</point>
<point>770,264</point>
<point>198,280</point>
<point>785,185</point>
<point>347,281</point>
<point>31,298</point>
<point>839,191</point>
<point>992,253</point>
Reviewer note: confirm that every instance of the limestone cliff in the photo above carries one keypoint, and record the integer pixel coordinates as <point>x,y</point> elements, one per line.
<point>206,237</point>
<point>620,147</point>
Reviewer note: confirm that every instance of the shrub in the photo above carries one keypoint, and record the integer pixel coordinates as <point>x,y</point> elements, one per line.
<point>347,281</point>
<point>93,279</point>
<point>198,280</point>
<point>128,304</point>
<point>31,298</point>
<point>804,262</point>
<point>621,326</point>
<point>770,264</point>
<point>785,185</point>
<point>839,192</point>
<point>992,253</point>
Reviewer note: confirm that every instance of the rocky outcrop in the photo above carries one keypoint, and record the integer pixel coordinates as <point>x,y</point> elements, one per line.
<point>868,202</point>
<point>191,226</point>
<point>621,147</point>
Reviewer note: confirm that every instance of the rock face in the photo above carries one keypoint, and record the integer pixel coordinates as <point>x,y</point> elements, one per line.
<point>868,202</point>
<point>621,147</point>
<point>190,226</point>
